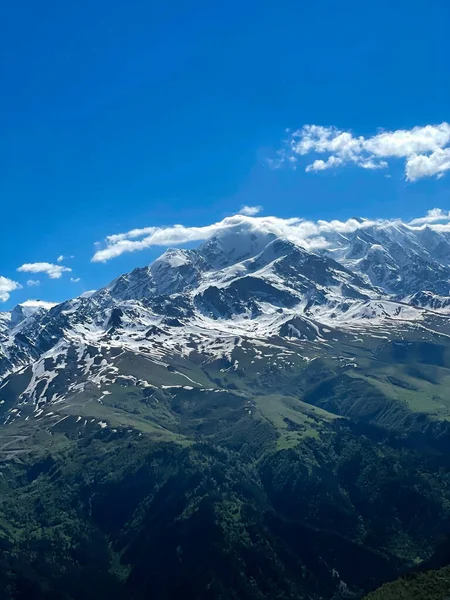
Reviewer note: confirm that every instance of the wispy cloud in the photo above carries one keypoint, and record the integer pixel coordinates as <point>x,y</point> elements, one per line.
<point>309,234</point>
<point>140,239</point>
<point>61,257</point>
<point>250,211</point>
<point>74,279</point>
<point>433,216</point>
<point>33,282</point>
<point>424,150</point>
<point>6,287</point>
<point>53,271</point>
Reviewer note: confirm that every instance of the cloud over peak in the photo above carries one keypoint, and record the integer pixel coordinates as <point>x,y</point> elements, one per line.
<point>433,216</point>
<point>425,150</point>
<point>38,304</point>
<point>309,234</point>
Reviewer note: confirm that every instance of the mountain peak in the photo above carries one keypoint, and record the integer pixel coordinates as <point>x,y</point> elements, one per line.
<point>25,309</point>
<point>234,245</point>
<point>173,257</point>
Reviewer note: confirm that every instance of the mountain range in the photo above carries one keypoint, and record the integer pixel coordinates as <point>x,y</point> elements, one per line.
<point>294,400</point>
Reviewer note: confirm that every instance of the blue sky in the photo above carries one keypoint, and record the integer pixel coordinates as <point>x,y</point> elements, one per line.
<point>119,115</point>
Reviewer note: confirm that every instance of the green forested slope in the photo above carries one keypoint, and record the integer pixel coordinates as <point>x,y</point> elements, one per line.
<point>116,515</point>
<point>432,585</point>
<point>315,482</point>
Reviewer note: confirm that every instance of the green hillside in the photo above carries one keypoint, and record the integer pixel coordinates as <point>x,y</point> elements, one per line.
<point>432,585</point>
<point>318,479</point>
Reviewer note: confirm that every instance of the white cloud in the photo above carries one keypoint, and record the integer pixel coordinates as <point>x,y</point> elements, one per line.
<point>61,257</point>
<point>371,164</point>
<point>6,287</point>
<point>432,216</point>
<point>321,165</point>
<point>175,235</point>
<point>38,304</point>
<point>250,211</point>
<point>33,282</point>
<point>406,142</point>
<point>309,234</point>
<point>53,271</point>
<point>420,165</point>
<point>74,279</point>
<point>424,149</point>
<point>121,243</point>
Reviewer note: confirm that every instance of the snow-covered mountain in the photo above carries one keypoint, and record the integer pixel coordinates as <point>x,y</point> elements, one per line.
<point>241,288</point>
<point>397,259</point>
<point>429,300</point>
<point>252,283</point>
